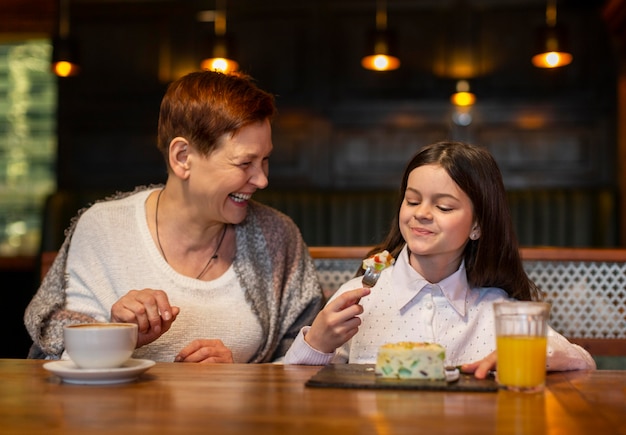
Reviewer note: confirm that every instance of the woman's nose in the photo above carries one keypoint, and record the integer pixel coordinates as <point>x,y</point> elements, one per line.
<point>259,178</point>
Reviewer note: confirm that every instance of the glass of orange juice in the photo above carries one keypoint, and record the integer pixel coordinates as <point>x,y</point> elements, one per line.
<point>521,329</point>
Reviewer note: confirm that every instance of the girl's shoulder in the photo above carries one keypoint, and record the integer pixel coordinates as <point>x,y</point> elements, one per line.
<point>489,294</point>
<point>351,284</point>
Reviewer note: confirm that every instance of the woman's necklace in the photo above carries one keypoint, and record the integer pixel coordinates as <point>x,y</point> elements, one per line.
<point>156,224</point>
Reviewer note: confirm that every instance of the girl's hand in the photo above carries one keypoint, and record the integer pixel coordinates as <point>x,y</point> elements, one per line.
<point>337,322</point>
<point>149,309</point>
<point>205,351</point>
<point>481,368</point>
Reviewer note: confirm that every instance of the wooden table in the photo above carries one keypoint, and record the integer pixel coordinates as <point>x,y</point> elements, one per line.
<point>272,399</point>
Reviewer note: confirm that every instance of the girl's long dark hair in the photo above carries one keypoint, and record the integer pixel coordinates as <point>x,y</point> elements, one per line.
<point>493,260</point>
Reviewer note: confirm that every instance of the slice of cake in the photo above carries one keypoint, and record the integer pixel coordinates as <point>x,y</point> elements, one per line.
<point>409,360</point>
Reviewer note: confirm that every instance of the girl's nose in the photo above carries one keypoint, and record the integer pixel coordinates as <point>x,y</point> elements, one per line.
<point>422,211</point>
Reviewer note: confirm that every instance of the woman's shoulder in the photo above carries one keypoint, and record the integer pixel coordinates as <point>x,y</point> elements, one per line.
<point>269,216</point>
<point>111,206</point>
<point>122,198</point>
<point>278,231</point>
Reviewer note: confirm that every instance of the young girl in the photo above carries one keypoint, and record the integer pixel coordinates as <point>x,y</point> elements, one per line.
<point>455,253</point>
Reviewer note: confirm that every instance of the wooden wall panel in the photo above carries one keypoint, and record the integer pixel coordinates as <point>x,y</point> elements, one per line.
<point>36,17</point>
<point>339,127</point>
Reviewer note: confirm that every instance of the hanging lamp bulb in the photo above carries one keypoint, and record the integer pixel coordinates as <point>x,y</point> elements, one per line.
<point>552,51</point>
<point>64,48</point>
<point>380,42</point>
<point>463,97</point>
<point>219,60</point>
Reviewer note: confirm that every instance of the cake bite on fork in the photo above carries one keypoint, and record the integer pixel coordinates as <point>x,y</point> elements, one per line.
<point>374,265</point>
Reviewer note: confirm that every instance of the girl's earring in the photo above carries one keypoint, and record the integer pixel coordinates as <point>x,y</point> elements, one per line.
<point>473,236</point>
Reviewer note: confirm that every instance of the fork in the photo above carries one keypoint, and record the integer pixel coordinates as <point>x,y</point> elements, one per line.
<point>452,373</point>
<point>370,277</point>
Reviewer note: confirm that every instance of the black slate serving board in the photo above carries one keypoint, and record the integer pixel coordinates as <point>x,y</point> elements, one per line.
<point>362,376</point>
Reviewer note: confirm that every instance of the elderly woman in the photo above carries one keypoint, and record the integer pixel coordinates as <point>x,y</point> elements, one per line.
<point>206,273</point>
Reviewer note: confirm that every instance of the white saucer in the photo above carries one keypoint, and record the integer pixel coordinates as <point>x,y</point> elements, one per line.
<point>70,373</point>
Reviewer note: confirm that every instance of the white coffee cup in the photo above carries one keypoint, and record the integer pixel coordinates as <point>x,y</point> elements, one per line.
<point>100,345</point>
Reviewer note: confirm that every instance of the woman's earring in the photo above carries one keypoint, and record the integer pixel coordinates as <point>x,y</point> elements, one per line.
<point>473,236</point>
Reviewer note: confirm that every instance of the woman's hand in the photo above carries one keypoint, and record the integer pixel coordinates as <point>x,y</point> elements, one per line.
<point>481,368</point>
<point>205,351</point>
<point>149,309</point>
<point>337,322</point>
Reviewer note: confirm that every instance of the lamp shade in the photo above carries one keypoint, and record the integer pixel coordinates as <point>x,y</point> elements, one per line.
<point>552,50</point>
<point>65,62</point>
<point>380,49</point>
<point>220,60</point>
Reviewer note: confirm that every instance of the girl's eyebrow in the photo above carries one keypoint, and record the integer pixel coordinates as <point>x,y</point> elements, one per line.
<point>436,196</point>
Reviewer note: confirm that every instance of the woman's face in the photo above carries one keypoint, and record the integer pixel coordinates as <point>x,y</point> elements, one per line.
<point>436,216</point>
<point>223,182</point>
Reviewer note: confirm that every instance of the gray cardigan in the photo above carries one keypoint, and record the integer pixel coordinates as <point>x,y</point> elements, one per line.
<point>272,263</point>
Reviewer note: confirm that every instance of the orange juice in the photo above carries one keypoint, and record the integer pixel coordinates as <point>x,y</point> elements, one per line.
<point>521,361</point>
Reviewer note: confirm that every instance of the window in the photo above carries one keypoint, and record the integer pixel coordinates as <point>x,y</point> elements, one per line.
<point>28,142</point>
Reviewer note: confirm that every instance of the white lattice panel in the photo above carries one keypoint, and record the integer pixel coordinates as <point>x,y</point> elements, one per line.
<point>588,298</point>
<point>333,273</point>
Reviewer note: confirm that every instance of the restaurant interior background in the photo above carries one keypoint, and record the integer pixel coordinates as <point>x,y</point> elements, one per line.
<point>343,133</point>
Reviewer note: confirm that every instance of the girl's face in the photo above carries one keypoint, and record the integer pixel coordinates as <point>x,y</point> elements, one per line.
<point>224,181</point>
<point>436,218</point>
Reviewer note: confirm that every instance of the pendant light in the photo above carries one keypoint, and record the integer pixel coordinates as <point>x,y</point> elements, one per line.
<point>463,100</point>
<point>463,97</point>
<point>64,49</point>
<point>221,45</point>
<point>552,49</point>
<point>380,42</point>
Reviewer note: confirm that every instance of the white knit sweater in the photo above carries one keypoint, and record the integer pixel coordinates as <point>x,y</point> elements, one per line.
<point>256,308</point>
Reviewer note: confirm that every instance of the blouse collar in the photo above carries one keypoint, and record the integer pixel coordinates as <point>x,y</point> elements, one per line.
<point>407,283</point>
